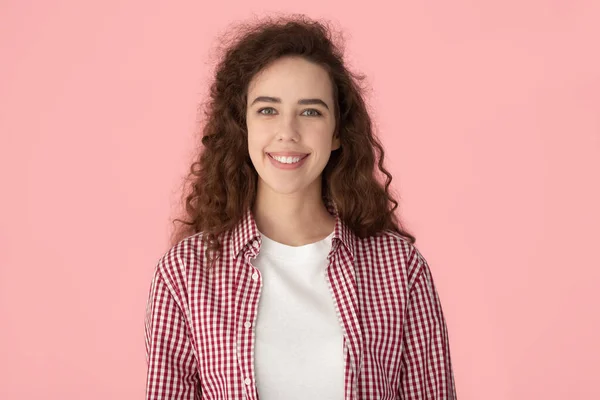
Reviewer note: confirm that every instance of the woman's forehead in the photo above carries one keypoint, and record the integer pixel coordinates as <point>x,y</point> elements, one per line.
<point>291,80</point>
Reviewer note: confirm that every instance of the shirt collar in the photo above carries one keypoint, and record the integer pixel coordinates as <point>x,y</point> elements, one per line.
<point>245,233</point>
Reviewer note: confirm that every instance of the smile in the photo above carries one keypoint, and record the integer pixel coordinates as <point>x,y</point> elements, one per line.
<point>294,162</point>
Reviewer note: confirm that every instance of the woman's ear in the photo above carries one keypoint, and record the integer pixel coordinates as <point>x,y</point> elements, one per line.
<point>335,142</point>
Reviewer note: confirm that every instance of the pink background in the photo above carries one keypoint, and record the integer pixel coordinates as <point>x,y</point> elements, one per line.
<point>490,114</point>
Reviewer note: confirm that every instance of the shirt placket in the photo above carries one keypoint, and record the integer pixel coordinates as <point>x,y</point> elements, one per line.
<point>245,327</point>
<point>341,278</point>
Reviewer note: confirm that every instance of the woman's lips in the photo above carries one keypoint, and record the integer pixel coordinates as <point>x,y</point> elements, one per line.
<point>281,165</point>
<point>288,154</point>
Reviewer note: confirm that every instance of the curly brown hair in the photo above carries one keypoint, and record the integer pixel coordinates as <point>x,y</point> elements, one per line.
<point>222,180</point>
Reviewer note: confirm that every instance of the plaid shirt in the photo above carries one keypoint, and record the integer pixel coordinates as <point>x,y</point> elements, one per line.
<point>199,325</point>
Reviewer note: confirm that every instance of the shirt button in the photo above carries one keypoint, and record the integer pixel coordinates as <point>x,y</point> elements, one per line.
<point>255,276</point>
<point>255,244</point>
<point>247,324</point>
<point>247,381</point>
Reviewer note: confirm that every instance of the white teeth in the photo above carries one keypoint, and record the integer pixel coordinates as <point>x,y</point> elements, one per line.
<point>287,160</point>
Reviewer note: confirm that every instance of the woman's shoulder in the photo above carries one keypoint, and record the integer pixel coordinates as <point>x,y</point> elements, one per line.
<point>394,241</point>
<point>403,253</point>
<point>182,259</point>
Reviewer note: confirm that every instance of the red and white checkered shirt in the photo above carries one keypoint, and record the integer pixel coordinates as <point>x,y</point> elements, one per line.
<point>199,324</point>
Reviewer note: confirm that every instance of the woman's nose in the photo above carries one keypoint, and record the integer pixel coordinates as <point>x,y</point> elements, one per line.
<point>288,127</point>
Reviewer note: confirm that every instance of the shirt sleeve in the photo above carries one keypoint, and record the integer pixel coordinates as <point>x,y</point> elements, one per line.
<point>426,371</point>
<point>171,366</point>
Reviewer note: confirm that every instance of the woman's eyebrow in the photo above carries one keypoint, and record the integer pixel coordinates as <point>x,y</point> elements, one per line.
<point>269,99</point>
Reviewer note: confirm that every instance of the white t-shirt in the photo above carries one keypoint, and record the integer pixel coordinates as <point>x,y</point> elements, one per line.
<point>299,339</point>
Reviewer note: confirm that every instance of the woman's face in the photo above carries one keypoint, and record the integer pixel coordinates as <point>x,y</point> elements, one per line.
<point>290,109</point>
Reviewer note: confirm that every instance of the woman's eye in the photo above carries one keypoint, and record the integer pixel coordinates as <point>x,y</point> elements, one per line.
<point>266,108</point>
<point>316,112</point>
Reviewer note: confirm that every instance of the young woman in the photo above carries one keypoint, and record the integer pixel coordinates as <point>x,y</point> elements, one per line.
<point>292,278</point>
